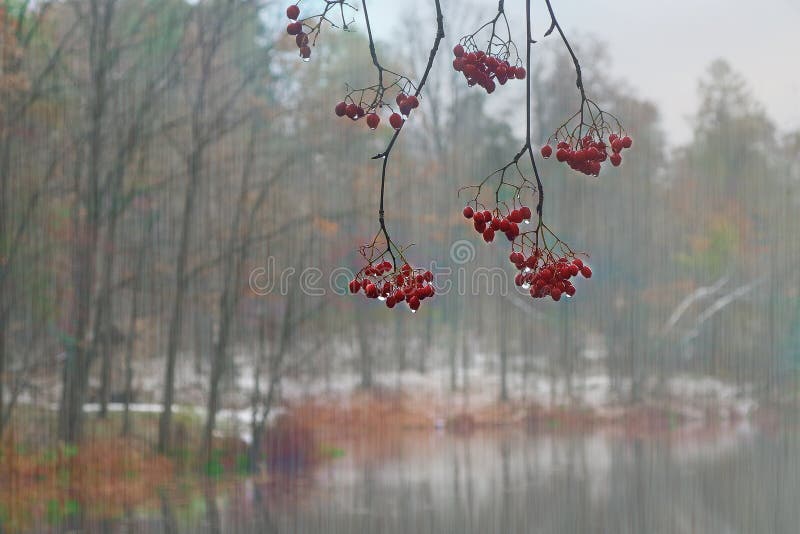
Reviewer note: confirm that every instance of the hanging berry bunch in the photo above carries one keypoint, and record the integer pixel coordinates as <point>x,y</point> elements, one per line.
<point>546,265</point>
<point>369,102</point>
<point>547,274</point>
<point>383,277</point>
<point>582,142</point>
<point>497,63</point>
<point>488,223</point>
<point>306,30</point>
<point>545,262</point>
<point>382,280</point>
<point>583,145</point>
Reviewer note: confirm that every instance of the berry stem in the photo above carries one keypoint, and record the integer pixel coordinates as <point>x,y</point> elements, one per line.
<point>529,80</point>
<point>385,154</point>
<point>578,77</point>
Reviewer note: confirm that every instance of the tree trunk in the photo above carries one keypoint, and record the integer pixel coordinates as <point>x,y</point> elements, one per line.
<point>176,320</point>
<point>131,340</point>
<point>103,323</point>
<point>503,352</point>
<point>400,342</point>
<point>3,356</point>
<point>567,355</point>
<point>79,355</point>
<point>218,364</point>
<point>452,350</point>
<point>366,355</point>
<point>75,376</point>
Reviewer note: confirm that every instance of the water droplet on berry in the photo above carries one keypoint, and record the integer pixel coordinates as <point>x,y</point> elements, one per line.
<point>306,59</point>
<point>526,285</point>
<point>526,221</point>
<point>381,298</point>
<point>413,311</point>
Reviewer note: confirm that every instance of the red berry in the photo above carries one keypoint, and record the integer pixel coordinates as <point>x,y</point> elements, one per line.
<point>479,217</point>
<point>556,294</point>
<point>480,226</point>
<point>547,151</point>
<point>616,145</point>
<point>413,303</point>
<point>468,212</point>
<point>293,12</point>
<point>396,121</point>
<point>515,216</point>
<point>301,39</point>
<point>400,98</point>
<point>340,109</point>
<point>520,72</point>
<point>352,111</point>
<point>616,159</point>
<point>586,271</point>
<point>496,223</point>
<point>487,216</point>
<point>294,28</point>
<point>305,52</point>
<point>355,285</point>
<point>405,107</point>
<point>412,101</point>
<point>372,291</point>
<point>525,211</point>
<point>562,154</point>
<point>458,50</point>
<point>488,235</point>
<point>627,142</point>
<point>373,120</point>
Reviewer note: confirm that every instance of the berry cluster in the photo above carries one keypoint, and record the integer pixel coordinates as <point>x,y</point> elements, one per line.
<point>353,111</point>
<point>487,223</point>
<point>544,274</point>
<point>587,155</point>
<point>296,28</point>
<point>546,268</point>
<point>482,68</point>
<point>383,282</point>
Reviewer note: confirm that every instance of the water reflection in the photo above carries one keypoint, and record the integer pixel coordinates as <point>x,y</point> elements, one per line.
<point>505,482</point>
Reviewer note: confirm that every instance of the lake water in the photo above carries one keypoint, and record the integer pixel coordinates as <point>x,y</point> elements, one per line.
<point>736,481</point>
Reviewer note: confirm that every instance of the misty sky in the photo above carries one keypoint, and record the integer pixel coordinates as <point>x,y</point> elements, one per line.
<point>662,48</point>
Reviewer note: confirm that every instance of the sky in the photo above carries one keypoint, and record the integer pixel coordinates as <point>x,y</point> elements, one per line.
<point>661,49</point>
